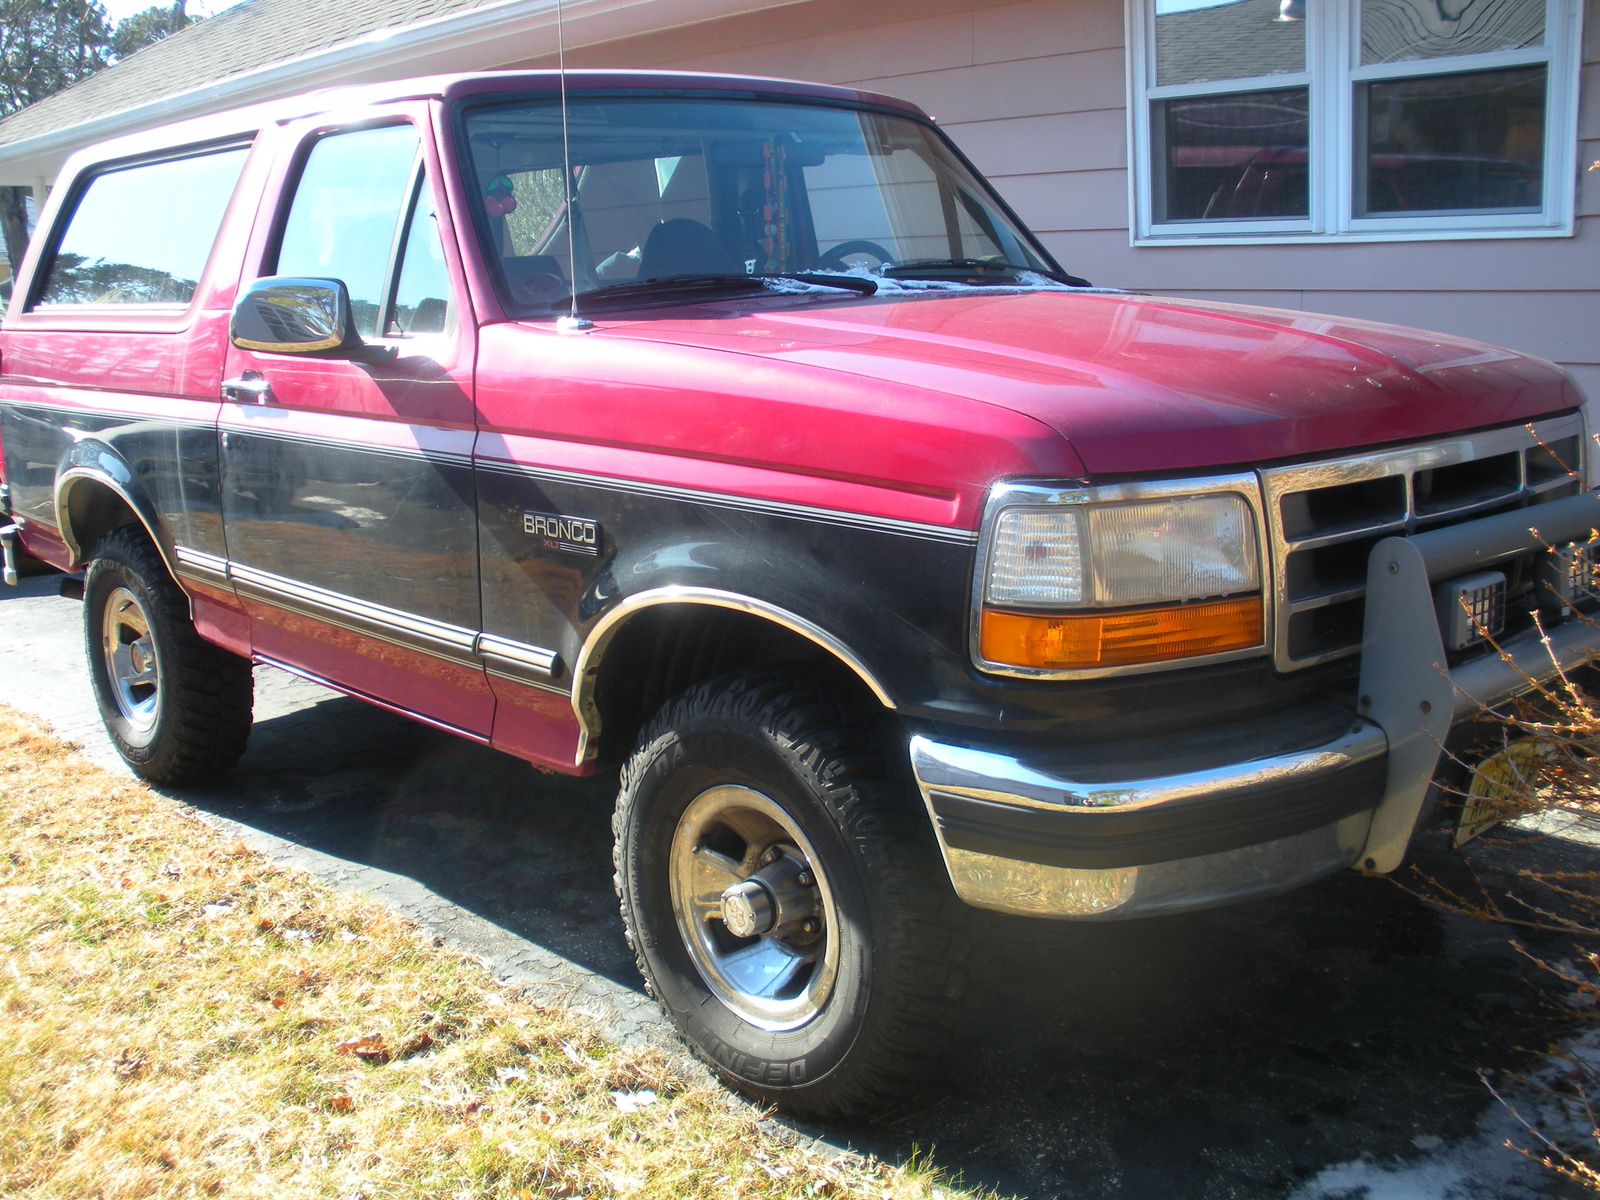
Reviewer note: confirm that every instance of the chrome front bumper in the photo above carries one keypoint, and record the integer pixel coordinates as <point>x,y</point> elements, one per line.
<point>1257,807</point>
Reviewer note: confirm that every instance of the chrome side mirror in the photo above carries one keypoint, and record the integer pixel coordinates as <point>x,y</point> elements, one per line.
<point>282,315</point>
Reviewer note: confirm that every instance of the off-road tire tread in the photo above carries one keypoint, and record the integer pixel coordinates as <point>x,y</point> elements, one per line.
<point>922,945</point>
<point>208,692</point>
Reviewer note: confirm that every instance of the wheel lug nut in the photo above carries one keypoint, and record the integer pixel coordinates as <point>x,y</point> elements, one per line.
<point>810,926</point>
<point>803,879</point>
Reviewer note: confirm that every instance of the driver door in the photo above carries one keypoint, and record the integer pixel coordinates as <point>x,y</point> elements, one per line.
<point>348,489</point>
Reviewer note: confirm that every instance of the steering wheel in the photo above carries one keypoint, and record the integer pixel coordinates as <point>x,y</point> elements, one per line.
<point>834,259</point>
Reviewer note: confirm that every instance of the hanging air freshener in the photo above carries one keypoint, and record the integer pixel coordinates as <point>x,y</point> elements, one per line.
<point>497,197</point>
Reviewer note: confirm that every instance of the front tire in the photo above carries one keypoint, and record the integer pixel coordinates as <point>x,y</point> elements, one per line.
<point>783,895</point>
<point>177,708</point>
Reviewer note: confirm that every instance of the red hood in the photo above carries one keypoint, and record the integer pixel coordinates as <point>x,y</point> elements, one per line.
<point>1140,384</point>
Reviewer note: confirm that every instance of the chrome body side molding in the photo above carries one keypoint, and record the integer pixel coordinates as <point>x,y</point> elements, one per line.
<point>199,567</point>
<point>520,662</point>
<point>501,657</point>
<point>441,640</point>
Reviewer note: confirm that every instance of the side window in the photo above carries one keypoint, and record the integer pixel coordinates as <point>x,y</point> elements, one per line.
<point>142,234</point>
<point>347,205</point>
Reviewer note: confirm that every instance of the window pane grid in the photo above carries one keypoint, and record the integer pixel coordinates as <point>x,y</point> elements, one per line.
<point>1465,138</point>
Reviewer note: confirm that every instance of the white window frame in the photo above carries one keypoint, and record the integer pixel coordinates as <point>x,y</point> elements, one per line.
<point>1333,48</point>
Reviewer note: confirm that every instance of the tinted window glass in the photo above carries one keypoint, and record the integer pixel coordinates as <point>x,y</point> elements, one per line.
<point>345,211</point>
<point>1239,155</point>
<point>1454,143</point>
<point>422,296</point>
<point>141,235</point>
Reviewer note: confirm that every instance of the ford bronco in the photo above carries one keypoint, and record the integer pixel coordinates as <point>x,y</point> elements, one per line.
<point>735,435</point>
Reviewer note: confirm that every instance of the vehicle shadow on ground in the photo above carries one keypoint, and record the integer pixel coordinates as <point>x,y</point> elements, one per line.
<point>1228,1053</point>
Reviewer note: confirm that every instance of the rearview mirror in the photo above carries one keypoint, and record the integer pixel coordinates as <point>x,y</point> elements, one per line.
<point>282,315</point>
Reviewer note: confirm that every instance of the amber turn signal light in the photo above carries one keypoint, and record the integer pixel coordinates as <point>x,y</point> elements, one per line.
<point>1072,641</point>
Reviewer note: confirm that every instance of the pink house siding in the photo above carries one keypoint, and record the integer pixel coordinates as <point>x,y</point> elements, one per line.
<point>1036,93</point>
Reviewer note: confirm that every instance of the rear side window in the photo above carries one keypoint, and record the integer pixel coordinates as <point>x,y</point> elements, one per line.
<point>142,234</point>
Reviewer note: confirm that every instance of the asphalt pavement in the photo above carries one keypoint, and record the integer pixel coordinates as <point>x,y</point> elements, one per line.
<point>1323,1044</point>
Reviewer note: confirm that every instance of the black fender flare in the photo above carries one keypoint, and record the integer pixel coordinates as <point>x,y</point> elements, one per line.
<point>586,669</point>
<point>94,464</point>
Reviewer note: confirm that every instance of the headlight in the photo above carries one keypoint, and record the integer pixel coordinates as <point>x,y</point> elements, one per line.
<point>1165,578</point>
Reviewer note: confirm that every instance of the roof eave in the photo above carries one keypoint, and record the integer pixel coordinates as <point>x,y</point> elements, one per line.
<point>509,29</point>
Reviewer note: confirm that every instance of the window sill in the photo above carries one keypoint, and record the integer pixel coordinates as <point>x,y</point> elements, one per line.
<point>1302,238</point>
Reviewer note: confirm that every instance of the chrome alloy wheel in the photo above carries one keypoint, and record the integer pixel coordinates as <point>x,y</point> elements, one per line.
<point>130,658</point>
<point>756,914</point>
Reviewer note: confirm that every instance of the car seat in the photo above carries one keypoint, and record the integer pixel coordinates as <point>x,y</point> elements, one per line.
<point>683,246</point>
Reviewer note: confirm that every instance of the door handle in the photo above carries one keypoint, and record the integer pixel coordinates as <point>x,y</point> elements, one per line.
<point>250,388</point>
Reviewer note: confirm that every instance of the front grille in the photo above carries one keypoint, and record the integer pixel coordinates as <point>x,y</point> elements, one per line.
<point>1324,518</point>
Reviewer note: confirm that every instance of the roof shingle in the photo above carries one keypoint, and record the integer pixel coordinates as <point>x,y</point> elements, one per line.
<point>252,35</point>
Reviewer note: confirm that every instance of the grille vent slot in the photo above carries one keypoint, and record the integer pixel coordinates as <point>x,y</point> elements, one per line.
<point>1325,517</point>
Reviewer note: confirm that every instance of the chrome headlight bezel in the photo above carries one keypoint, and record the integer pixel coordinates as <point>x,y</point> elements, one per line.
<point>1035,494</point>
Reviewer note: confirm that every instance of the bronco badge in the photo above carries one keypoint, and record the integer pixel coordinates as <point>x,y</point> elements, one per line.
<point>571,535</point>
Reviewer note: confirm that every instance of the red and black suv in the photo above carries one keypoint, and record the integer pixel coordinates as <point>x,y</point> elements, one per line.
<point>735,433</point>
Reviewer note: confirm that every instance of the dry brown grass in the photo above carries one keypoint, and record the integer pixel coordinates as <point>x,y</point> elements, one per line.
<point>180,1018</point>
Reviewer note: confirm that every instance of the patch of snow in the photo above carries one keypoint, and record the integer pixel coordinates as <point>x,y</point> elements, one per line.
<point>632,1102</point>
<point>1481,1167</point>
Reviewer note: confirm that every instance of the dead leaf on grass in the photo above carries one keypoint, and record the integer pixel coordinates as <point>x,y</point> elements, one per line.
<point>414,1045</point>
<point>369,1048</point>
<point>129,1064</point>
<point>340,1103</point>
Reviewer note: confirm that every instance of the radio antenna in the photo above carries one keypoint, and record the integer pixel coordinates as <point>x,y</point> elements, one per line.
<point>572,322</point>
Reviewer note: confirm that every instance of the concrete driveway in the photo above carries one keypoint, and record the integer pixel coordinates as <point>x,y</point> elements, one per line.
<point>1311,1045</point>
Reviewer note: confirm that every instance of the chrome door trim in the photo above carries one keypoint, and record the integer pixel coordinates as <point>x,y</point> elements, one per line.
<point>200,567</point>
<point>520,662</point>
<point>407,630</point>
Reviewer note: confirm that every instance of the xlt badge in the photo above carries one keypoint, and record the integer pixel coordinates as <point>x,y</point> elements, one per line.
<point>571,535</point>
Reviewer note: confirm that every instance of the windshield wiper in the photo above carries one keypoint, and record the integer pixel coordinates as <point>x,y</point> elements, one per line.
<point>966,268</point>
<point>684,287</point>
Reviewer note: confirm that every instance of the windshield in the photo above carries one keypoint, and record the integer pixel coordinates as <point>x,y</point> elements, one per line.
<point>672,188</point>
